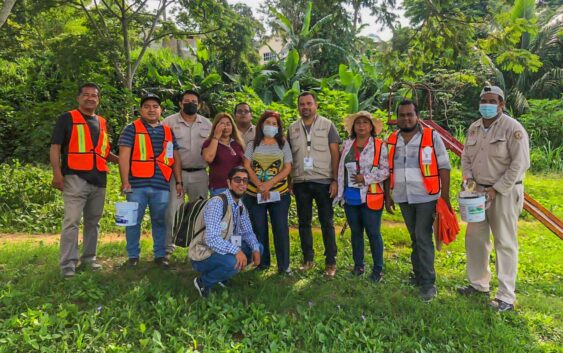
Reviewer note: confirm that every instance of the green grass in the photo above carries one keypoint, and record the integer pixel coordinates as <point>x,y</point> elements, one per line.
<point>151,310</point>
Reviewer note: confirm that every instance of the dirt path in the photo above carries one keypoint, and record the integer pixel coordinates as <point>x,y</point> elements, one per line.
<point>54,238</point>
<point>110,237</point>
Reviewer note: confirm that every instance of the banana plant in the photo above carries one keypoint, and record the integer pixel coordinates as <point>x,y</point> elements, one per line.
<point>352,82</point>
<point>280,81</point>
<point>302,40</point>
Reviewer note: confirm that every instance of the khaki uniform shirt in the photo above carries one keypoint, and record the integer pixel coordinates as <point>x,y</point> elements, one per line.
<point>190,138</point>
<point>498,156</point>
<point>249,134</point>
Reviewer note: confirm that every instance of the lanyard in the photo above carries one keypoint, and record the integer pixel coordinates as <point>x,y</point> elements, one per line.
<point>308,135</point>
<point>235,218</point>
<point>357,153</point>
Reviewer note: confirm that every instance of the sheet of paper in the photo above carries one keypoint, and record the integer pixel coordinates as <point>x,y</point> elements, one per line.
<point>274,197</point>
<point>351,168</point>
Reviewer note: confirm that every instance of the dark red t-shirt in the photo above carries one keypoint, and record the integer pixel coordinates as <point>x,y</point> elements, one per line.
<point>225,159</point>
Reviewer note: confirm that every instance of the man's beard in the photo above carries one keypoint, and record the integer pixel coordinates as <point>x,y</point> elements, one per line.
<point>236,195</point>
<point>407,129</point>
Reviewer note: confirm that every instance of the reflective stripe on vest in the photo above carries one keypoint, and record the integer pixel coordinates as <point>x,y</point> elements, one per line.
<point>428,162</point>
<point>143,161</point>
<point>82,155</point>
<point>374,196</point>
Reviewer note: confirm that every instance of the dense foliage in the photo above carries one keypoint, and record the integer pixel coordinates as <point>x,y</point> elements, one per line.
<point>451,47</point>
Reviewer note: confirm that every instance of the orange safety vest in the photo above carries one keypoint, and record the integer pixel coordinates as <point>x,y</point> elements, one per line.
<point>143,160</point>
<point>426,158</point>
<point>374,196</point>
<point>82,155</point>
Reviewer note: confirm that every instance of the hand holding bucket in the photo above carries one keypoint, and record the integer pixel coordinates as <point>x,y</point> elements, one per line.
<point>472,206</point>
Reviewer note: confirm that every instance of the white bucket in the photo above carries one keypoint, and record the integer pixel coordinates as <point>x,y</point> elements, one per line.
<point>472,208</point>
<point>126,213</point>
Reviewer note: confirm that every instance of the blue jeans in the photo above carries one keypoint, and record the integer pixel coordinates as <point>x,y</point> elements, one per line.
<point>157,200</point>
<point>278,217</point>
<point>360,218</point>
<point>215,192</point>
<point>219,268</point>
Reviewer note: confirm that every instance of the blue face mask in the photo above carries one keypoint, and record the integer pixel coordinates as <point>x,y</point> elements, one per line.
<point>488,111</point>
<point>269,130</point>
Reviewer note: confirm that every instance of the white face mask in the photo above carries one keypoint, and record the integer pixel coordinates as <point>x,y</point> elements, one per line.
<point>269,130</point>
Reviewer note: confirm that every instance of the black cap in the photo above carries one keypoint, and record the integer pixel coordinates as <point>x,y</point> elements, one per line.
<point>148,96</point>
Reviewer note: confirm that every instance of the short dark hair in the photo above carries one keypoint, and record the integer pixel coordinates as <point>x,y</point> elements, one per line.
<point>189,91</point>
<point>407,102</point>
<point>91,85</point>
<point>242,103</point>
<point>237,169</point>
<point>306,93</point>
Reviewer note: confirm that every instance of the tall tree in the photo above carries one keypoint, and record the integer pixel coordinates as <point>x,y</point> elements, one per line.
<point>381,9</point>
<point>128,27</point>
<point>6,10</point>
<point>229,42</point>
<point>338,32</point>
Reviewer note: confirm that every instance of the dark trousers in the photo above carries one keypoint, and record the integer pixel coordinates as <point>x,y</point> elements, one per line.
<point>419,218</point>
<point>305,193</point>
<point>362,218</point>
<point>278,217</point>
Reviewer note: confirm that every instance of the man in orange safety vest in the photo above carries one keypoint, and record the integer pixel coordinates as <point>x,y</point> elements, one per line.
<point>148,156</point>
<point>80,149</point>
<point>419,170</point>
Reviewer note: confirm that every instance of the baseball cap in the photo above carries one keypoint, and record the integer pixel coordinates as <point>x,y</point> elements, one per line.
<point>148,96</point>
<point>492,89</point>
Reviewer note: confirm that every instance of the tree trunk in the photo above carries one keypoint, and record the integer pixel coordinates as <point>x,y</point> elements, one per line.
<point>6,10</point>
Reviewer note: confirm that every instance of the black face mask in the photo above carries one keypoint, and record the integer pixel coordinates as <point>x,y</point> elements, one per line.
<point>190,108</point>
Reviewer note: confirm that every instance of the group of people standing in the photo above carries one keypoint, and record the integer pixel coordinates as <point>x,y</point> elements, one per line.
<point>255,169</point>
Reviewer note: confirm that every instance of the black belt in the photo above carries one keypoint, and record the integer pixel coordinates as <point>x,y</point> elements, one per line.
<point>488,186</point>
<point>190,170</point>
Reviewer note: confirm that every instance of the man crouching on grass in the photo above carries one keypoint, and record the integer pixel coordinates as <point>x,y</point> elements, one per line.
<point>229,242</point>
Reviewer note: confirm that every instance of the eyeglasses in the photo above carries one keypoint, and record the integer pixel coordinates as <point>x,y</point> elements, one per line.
<point>243,112</point>
<point>239,180</point>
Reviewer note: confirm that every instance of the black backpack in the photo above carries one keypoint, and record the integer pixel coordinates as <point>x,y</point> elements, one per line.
<point>186,218</point>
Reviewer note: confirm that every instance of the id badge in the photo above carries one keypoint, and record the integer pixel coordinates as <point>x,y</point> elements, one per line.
<point>308,163</point>
<point>427,155</point>
<point>236,240</point>
<point>169,150</point>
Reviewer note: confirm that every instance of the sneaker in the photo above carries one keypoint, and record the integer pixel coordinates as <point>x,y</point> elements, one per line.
<point>131,262</point>
<point>306,266</point>
<point>162,262</point>
<point>330,271</point>
<point>470,290</point>
<point>358,270</point>
<point>94,266</point>
<point>68,273</point>
<point>501,306</point>
<point>225,284</point>
<point>286,272</point>
<point>261,268</point>
<point>376,277</point>
<point>428,293</point>
<point>201,289</point>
